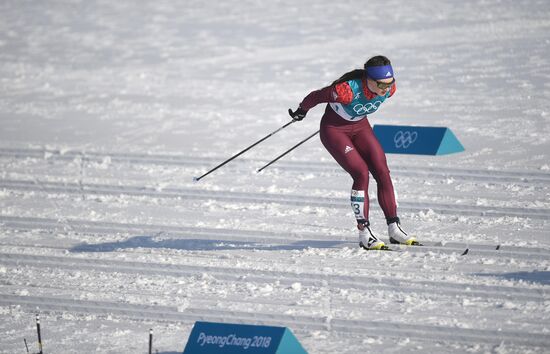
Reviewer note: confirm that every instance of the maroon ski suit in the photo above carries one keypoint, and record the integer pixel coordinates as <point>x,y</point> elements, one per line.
<point>355,147</point>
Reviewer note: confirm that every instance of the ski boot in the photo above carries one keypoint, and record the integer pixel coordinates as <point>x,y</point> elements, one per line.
<point>398,236</point>
<point>367,240</point>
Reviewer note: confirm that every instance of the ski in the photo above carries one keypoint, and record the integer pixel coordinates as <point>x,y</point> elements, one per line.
<point>465,248</point>
<point>383,248</point>
<point>412,243</point>
<point>460,248</point>
<point>398,247</point>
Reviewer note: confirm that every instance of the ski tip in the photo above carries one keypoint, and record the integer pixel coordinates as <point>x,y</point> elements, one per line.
<point>195,179</point>
<point>465,252</point>
<point>498,247</point>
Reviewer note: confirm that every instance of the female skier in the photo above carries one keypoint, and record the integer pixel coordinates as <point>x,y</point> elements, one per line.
<point>347,135</point>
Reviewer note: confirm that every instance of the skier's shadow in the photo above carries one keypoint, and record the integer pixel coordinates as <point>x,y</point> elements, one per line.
<point>199,244</point>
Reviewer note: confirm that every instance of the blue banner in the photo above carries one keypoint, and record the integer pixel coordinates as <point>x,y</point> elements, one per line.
<point>405,139</point>
<point>228,338</point>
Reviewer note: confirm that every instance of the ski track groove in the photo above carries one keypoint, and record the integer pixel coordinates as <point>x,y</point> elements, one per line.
<point>462,267</point>
<point>297,322</point>
<point>362,282</point>
<point>494,176</point>
<point>263,198</point>
<point>254,239</point>
<point>207,303</point>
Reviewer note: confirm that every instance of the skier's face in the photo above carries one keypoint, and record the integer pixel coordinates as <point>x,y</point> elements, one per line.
<point>380,87</point>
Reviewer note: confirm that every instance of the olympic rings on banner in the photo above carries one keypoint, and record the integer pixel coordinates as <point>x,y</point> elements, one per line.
<point>404,139</point>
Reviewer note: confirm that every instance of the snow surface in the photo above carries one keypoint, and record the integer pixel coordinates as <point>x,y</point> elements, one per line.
<point>109,108</point>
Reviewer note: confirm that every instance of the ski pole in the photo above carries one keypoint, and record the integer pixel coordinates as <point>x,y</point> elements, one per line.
<point>243,151</point>
<point>39,334</point>
<point>289,150</point>
<point>151,341</point>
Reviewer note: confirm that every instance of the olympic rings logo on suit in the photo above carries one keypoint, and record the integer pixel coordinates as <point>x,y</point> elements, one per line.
<point>366,108</point>
<point>404,139</point>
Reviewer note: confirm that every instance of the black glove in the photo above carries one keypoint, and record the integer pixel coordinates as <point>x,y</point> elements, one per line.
<point>298,114</point>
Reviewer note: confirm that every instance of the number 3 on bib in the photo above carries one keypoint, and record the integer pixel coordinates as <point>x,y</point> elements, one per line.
<point>358,204</point>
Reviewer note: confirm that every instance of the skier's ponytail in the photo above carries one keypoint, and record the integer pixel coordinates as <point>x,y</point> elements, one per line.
<point>350,75</point>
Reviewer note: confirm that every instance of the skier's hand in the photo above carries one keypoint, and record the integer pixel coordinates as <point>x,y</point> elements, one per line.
<point>298,114</point>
